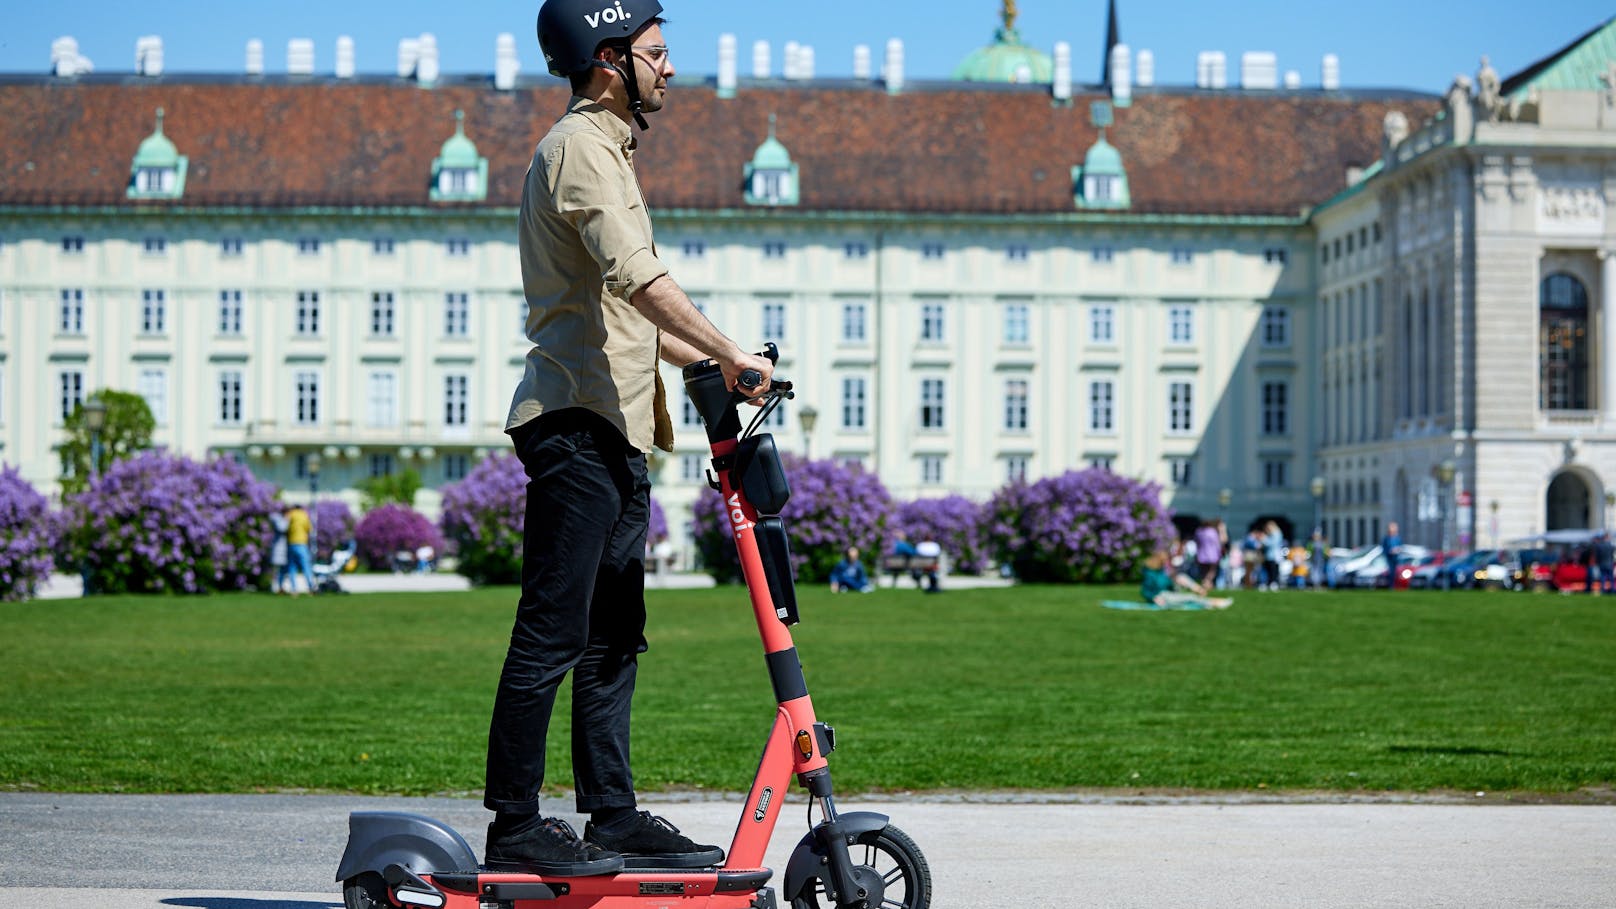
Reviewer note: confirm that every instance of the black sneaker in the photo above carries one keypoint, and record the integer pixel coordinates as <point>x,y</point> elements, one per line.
<point>549,847</point>
<point>647,841</point>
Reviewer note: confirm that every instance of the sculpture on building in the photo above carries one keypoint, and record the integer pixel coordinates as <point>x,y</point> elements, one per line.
<point>1396,128</point>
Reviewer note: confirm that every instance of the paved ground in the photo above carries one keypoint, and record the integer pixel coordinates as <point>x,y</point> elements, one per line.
<point>280,851</point>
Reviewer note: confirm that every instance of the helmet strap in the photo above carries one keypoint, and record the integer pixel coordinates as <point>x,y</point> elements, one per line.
<point>635,104</point>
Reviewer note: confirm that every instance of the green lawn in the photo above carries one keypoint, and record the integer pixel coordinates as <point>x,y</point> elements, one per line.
<point>1027,688</point>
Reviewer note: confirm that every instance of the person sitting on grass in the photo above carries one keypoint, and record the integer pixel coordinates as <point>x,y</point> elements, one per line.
<point>1158,585</point>
<point>849,574</point>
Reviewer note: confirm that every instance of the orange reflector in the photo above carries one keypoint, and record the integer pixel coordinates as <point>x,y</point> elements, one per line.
<point>805,744</point>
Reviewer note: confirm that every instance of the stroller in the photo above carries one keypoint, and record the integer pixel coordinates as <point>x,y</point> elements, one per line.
<point>325,573</point>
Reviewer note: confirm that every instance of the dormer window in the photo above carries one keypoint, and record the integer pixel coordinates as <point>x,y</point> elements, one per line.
<point>1101,181</point>
<point>771,177</point>
<point>158,171</point>
<point>1102,187</point>
<point>459,174</point>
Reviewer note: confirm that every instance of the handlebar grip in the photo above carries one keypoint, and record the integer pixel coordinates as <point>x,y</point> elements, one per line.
<point>750,378</point>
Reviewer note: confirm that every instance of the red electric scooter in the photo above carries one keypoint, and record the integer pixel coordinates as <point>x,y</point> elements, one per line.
<point>850,861</point>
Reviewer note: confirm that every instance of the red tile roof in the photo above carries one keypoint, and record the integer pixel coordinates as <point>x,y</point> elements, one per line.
<point>945,147</point>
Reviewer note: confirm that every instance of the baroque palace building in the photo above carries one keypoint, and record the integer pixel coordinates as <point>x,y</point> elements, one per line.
<point>1313,303</point>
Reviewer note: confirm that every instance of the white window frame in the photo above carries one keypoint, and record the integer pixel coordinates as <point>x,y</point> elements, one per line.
<point>308,246</point>
<point>381,398</point>
<point>1017,324</point>
<point>70,389</point>
<point>1181,470</point>
<point>1018,252</point>
<point>306,397</point>
<point>774,320</point>
<point>152,383</point>
<point>1017,393</point>
<point>456,401</point>
<point>931,469</point>
<point>774,249</point>
<point>1182,255</point>
<point>1103,255</point>
<point>688,414</point>
<point>1180,408</point>
<point>856,249</point>
<point>230,312</point>
<point>231,386</point>
<point>855,322</point>
<point>458,181</point>
<point>153,312</point>
<point>1102,406</point>
<point>692,468</point>
<point>932,250</point>
<point>457,248</point>
<point>855,402</point>
<point>1181,324</point>
<point>455,467</point>
<point>1015,468</point>
<point>933,404</point>
<point>1102,323</point>
<point>383,314</point>
<point>154,246</point>
<point>1276,418</point>
<point>1276,326</point>
<point>73,244</point>
<point>70,315</point>
<point>231,247</point>
<point>456,314</point>
<point>306,316</point>
<point>933,323</point>
<point>383,246</point>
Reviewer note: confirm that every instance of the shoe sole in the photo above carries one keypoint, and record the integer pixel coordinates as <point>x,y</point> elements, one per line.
<point>705,859</point>
<point>559,869</point>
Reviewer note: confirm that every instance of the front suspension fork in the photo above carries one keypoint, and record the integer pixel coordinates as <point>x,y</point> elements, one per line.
<point>839,881</point>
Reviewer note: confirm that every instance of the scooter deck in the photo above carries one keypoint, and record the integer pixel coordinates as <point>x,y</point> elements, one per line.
<point>639,888</point>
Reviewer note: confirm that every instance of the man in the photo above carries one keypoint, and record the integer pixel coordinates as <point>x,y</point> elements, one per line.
<point>601,309</point>
<point>1605,562</point>
<point>1391,546</point>
<point>849,574</point>
<point>299,531</point>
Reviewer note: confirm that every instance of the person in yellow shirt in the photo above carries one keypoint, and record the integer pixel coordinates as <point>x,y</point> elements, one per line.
<point>299,530</point>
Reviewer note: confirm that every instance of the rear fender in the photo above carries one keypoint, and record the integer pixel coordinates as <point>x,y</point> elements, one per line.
<point>377,839</point>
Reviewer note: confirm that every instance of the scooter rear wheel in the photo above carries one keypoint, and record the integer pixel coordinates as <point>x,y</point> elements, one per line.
<point>365,891</point>
<point>887,856</point>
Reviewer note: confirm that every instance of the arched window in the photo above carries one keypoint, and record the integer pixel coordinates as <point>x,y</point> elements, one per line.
<point>1563,356</point>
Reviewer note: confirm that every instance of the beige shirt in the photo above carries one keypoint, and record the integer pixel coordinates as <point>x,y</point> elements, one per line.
<point>586,246</point>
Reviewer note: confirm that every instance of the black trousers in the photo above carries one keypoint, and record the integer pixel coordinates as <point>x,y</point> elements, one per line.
<point>582,609</point>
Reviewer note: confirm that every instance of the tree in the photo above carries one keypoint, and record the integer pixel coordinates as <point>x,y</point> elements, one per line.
<point>127,432</point>
<point>399,488</point>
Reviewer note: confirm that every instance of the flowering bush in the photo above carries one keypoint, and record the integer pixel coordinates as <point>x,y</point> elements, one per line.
<point>392,528</point>
<point>657,528</point>
<point>954,522</point>
<point>832,507</point>
<point>1089,526</point>
<point>333,527</point>
<point>483,518</point>
<point>160,522</point>
<point>27,537</point>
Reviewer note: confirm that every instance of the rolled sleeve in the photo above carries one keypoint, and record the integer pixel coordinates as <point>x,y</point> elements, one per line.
<point>588,178</point>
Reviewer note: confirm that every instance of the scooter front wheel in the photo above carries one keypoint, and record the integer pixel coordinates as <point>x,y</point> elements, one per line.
<point>365,891</point>
<point>887,864</point>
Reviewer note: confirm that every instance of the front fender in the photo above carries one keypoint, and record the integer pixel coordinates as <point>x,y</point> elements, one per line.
<point>377,839</point>
<point>805,859</point>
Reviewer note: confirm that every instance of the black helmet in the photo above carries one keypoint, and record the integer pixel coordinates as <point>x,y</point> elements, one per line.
<point>571,30</point>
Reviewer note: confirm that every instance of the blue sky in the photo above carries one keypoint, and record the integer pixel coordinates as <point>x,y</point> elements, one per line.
<point>1381,43</point>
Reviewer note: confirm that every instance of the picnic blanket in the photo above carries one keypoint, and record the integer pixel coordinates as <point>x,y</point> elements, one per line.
<point>1143,606</point>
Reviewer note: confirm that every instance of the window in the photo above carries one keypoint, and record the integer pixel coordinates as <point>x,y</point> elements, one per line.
<point>688,414</point>
<point>1102,255</point>
<point>854,396</point>
<point>1335,249</point>
<point>1102,406</point>
<point>1275,408</point>
<point>1564,354</point>
<point>1276,326</point>
<point>1181,324</point>
<point>459,182</point>
<point>456,314</point>
<point>155,246</point>
<point>1324,253</point>
<point>381,399</point>
<point>230,381</point>
<point>854,323</point>
<point>382,246</point>
<point>153,385</point>
<point>1180,469</point>
<point>381,465</point>
<point>692,468</point>
<point>1015,468</point>
<point>73,245</point>
<point>774,249</point>
<point>308,246</point>
<point>1375,231</point>
<point>230,312</point>
<point>1273,473</point>
<point>1363,238</point>
<point>70,384</point>
<point>1017,323</point>
<point>931,469</point>
<point>230,247</point>
<point>1102,324</point>
<point>153,312</point>
<point>931,404</point>
<point>1180,408</point>
<point>307,385</point>
<point>308,313</point>
<point>455,467</point>
<point>774,321</point>
<point>457,247</point>
<point>1349,244</point>
<point>71,315</point>
<point>1275,255</point>
<point>695,249</point>
<point>156,180</point>
<point>1015,405</point>
<point>456,398</point>
<point>1017,252</point>
<point>1183,255</point>
<point>856,249</point>
<point>772,186</point>
<point>931,322</point>
<point>1101,187</point>
<point>1102,462</point>
<point>381,314</point>
<point>931,250</point>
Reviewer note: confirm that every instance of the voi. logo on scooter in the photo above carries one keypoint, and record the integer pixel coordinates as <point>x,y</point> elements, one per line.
<point>609,15</point>
<point>737,515</point>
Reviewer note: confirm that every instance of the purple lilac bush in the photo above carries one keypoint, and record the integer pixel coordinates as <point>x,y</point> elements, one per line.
<point>333,527</point>
<point>28,533</point>
<point>832,507</point>
<point>955,522</point>
<point>657,528</point>
<point>483,518</point>
<point>1087,527</point>
<point>160,522</point>
<point>391,528</point>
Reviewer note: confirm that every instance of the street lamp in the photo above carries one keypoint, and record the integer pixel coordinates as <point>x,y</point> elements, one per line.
<point>95,420</point>
<point>1316,486</point>
<point>807,416</point>
<point>1444,474</point>
<point>313,465</point>
<point>1493,507</point>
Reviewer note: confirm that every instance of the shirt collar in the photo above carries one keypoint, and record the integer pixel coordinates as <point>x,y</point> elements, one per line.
<point>604,120</point>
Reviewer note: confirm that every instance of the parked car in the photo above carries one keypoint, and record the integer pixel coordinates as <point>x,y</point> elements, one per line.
<point>1532,569</point>
<point>1570,571</point>
<point>1377,571</point>
<point>1424,572</point>
<point>1465,572</point>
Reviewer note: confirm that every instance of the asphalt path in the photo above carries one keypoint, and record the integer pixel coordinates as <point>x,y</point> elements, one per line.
<point>281,851</point>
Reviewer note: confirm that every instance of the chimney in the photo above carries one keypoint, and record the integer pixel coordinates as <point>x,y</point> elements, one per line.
<point>506,66</point>
<point>66,59</point>
<point>861,62</point>
<point>1062,88</point>
<point>760,60</point>
<point>345,57</point>
<point>893,71</point>
<point>1146,66</point>
<point>726,65</point>
<point>1121,75</point>
<point>1293,80</point>
<point>805,62</point>
<point>1259,71</point>
<point>1330,73</point>
<point>300,57</point>
<point>789,64</point>
<point>409,52</point>
<point>1211,70</point>
<point>426,67</point>
<point>255,57</point>
<point>149,56</point>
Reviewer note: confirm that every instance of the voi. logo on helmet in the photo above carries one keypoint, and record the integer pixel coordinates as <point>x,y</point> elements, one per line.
<point>609,15</point>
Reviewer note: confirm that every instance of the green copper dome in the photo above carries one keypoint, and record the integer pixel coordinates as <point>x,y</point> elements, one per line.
<point>459,151</point>
<point>157,150</point>
<point>1103,158</point>
<point>1006,59</point>
<point>771,155</point>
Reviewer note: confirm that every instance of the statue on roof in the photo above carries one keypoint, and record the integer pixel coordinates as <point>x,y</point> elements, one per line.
<point>1488,97</point>
<point>1009,15</point>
